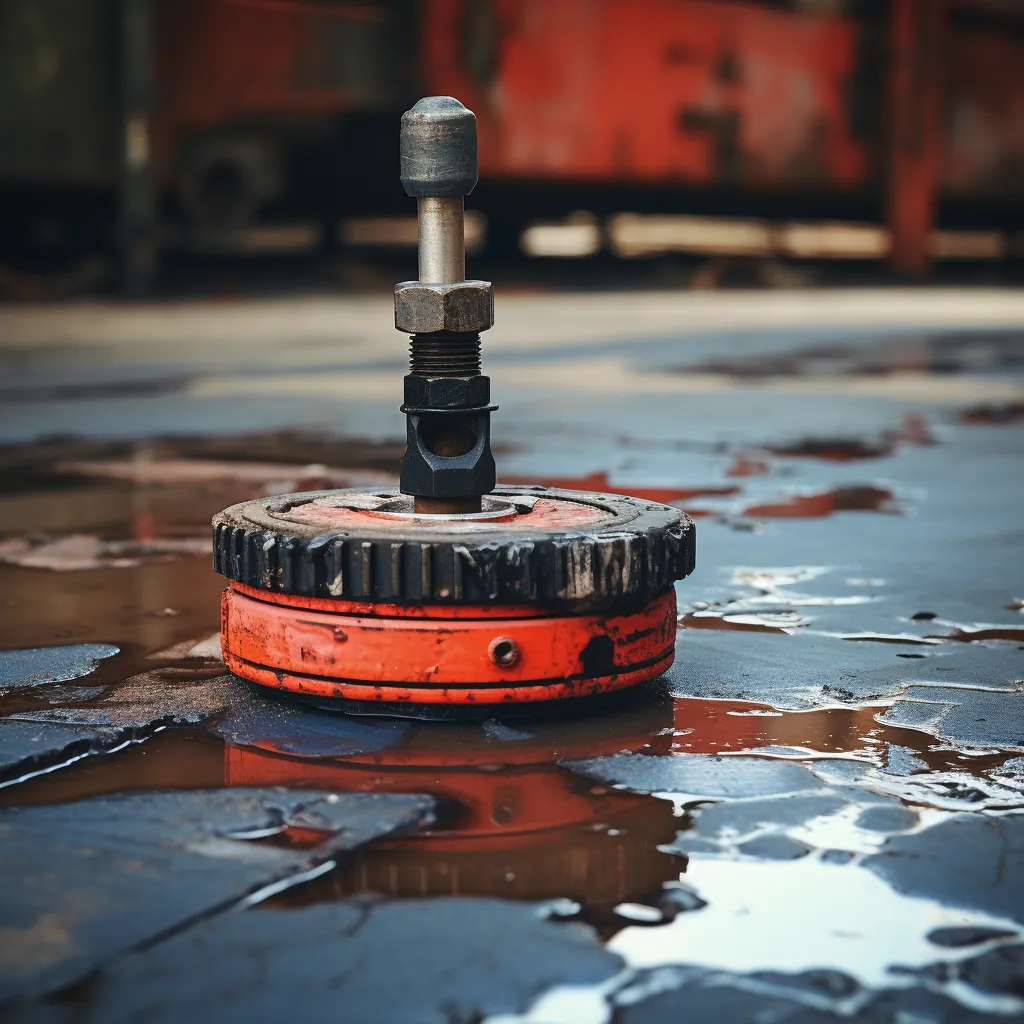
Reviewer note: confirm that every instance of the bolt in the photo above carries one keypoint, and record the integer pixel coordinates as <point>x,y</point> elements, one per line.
<point>439,355</point>
<point>439,168</point>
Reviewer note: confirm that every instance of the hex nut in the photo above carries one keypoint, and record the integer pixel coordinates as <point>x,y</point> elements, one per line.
<point>423,392</point>
<point>464,307</point>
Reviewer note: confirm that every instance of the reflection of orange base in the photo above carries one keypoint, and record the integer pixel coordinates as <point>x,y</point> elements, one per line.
<point>533,831</point>
<point>508,807</point>
<point>443,655</point>
<point>511,821</point>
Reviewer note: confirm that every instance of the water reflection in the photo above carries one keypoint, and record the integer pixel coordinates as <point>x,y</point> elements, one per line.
<point>512,822</point>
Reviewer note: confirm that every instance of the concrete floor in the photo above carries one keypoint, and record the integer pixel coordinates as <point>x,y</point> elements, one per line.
<point>814,816</point>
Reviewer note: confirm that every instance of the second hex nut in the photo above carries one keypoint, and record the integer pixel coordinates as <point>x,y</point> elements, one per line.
<point>423,392</point>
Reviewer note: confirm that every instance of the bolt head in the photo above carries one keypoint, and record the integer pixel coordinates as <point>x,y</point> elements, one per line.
<point>438,153</point>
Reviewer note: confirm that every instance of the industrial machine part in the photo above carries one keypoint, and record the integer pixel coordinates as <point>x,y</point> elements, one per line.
<point>448,465</point>
<point>449,590</point>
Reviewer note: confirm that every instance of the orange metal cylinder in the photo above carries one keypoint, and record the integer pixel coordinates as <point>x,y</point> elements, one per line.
<point>430,655</point>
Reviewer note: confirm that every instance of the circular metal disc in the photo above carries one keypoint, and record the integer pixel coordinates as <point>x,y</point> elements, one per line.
<point>530,545</point>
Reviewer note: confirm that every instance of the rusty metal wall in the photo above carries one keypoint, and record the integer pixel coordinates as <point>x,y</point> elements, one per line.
<point>733,93</point>
<point>223,62</point>
<point>736,93</point>
<point>743,95</point>
<point>983,148</point>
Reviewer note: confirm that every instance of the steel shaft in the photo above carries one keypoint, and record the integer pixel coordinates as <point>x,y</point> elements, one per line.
<point>441,239</point>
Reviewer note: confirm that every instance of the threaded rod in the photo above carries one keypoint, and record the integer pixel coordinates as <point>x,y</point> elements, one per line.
<point>445,355</point>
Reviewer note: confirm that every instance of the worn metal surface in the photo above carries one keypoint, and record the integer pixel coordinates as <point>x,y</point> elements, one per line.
<point>241,70</point>
<point>834,110</point>
<point>441,238</point>
<point>745,93</point>
<point>565,549</point>
<point>748,95</point>
<point>380,655</point>
<point>725,93</point>
<point>464,307</point>
<point>438,158</point>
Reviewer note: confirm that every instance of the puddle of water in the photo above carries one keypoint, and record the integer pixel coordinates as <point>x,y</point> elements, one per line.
<point>740,727</point>
<point>988,352</point>
<point>1002,414</point>
<point>796,915</point>
<point>173,759</point>
<point>972,633</point>
<point>764,622</point>
<point>128,607</point>
<point>461,766</point>
<point>913,430</point>
<point>765,596</point>
<point>512,821</point>
<point>747,465</point>
<point>825,449</point>
<point>155,605</point>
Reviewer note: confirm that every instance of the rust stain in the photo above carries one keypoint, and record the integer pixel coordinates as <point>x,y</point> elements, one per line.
<point>598,482</point>
<point>813,506</point>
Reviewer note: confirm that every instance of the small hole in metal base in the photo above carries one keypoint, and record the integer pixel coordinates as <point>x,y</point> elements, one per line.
<point>503,651</point>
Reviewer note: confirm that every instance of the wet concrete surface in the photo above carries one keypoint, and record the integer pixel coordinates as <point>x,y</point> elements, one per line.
<point>99,877</point>
<point>389,961</point>
<point>40,665</point>
<point>816,815</point>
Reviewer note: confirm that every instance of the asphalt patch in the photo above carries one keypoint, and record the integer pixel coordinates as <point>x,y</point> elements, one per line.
<point>671,995</point>
<point>963,716</point>
<point>693,777</point>
<point>969,860</point>
<point>432,961</point>
<point>28,747</point>
<point>279,723</point>
<point>792,673</point>
<point>36,666</point>
<point>96,878</point>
